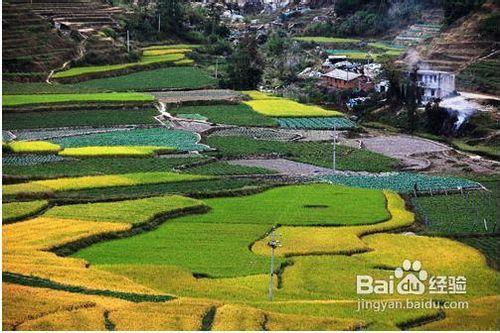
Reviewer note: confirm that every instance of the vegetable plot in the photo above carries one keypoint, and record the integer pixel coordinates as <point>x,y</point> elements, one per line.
<point>316,123</point>
<point>153,137</point>
<point>403,182</point>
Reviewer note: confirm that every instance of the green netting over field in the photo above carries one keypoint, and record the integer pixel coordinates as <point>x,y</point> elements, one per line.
<point>402,182</point>
<point>181,140</point>
<point>315,123</point>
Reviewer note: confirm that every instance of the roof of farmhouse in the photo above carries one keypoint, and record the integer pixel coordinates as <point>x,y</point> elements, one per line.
<point>342,75</point>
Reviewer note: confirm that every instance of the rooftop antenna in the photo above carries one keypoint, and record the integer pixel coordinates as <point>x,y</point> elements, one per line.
<point>273,244</point>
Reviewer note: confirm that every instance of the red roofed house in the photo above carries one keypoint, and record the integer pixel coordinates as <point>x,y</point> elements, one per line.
<point>341,79</point>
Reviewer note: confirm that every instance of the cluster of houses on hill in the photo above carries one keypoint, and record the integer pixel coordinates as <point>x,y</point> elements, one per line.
<point>339,73</point>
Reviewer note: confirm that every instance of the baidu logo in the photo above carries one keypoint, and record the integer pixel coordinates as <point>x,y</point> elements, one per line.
<point>411,279</point>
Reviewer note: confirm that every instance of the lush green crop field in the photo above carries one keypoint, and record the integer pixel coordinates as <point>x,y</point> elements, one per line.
<point>163,78</point>
<point>316,153</point>
<point>79,183</point>
<point>160,137</point>
<point>216,242</point>
<point>316,123</point>
<point>98,166</point>
<point>129,211</point>
<point>29,88</point>
<point>18,210</point>
<point>204,187</point>
<point>316,204</point>
<point>216,249</point>
<point>230,114</point>
<point>20,100</point>
<point>28,120</point>
<point>402,182</point>
<point>457,213</point>
<point>489,245</point>
<point>224,168</point>
<point>175,58</point>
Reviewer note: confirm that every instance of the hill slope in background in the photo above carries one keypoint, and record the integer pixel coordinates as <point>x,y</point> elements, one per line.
<point>467,48</point>
<point>41,35</point>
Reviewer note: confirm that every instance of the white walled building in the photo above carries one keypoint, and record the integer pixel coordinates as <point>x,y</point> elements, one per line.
<point>435,84</point>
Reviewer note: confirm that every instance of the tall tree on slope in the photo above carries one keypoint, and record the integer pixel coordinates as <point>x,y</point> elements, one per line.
<point>171,13</point>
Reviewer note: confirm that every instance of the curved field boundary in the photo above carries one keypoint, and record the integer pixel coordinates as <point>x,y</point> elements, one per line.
<point>125,69</point>
<point>337,240</point>
<point>27,260</point>
<point>23,210</point>
<point>33,281</point>
<point>46,188</point>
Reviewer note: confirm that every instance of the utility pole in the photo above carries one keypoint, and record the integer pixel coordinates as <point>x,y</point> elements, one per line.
<point>273,244</point>
<point>334,148</point>
<point>159,23</point>
<point>128,41</point>
<point>216,67</point>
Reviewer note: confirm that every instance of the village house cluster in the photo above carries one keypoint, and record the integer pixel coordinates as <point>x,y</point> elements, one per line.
<point>339,73</point>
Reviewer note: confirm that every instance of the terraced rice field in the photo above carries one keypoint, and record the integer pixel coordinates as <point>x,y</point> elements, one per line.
<point>24,100</point>
<point>225,228</point>
<point>106,229</point>
<point>33,120</point>
<point>149,58</point>
<point>90,166</point>
<point>158,79</point>
<point>47,187</point>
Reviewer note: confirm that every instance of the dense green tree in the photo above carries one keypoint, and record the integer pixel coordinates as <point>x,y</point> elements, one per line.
<point>172,17</point>
<point>245,64</point>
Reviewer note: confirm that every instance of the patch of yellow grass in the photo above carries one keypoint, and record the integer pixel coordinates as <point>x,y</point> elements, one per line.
<point>287,108</point>
<point>84,319</point>
<point>481,315</point>
<point>25,246</point>
<point>115,151</point>
<point>439,256</point>
<point>257,95</point>
<point>79,183</point>
<point>243,318</point>
<point>157,52</point>
<point>22,304</point>
<point>33,147</point>
<point>336,240</point>
<point>175,315</point>
<point>180,281</point>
